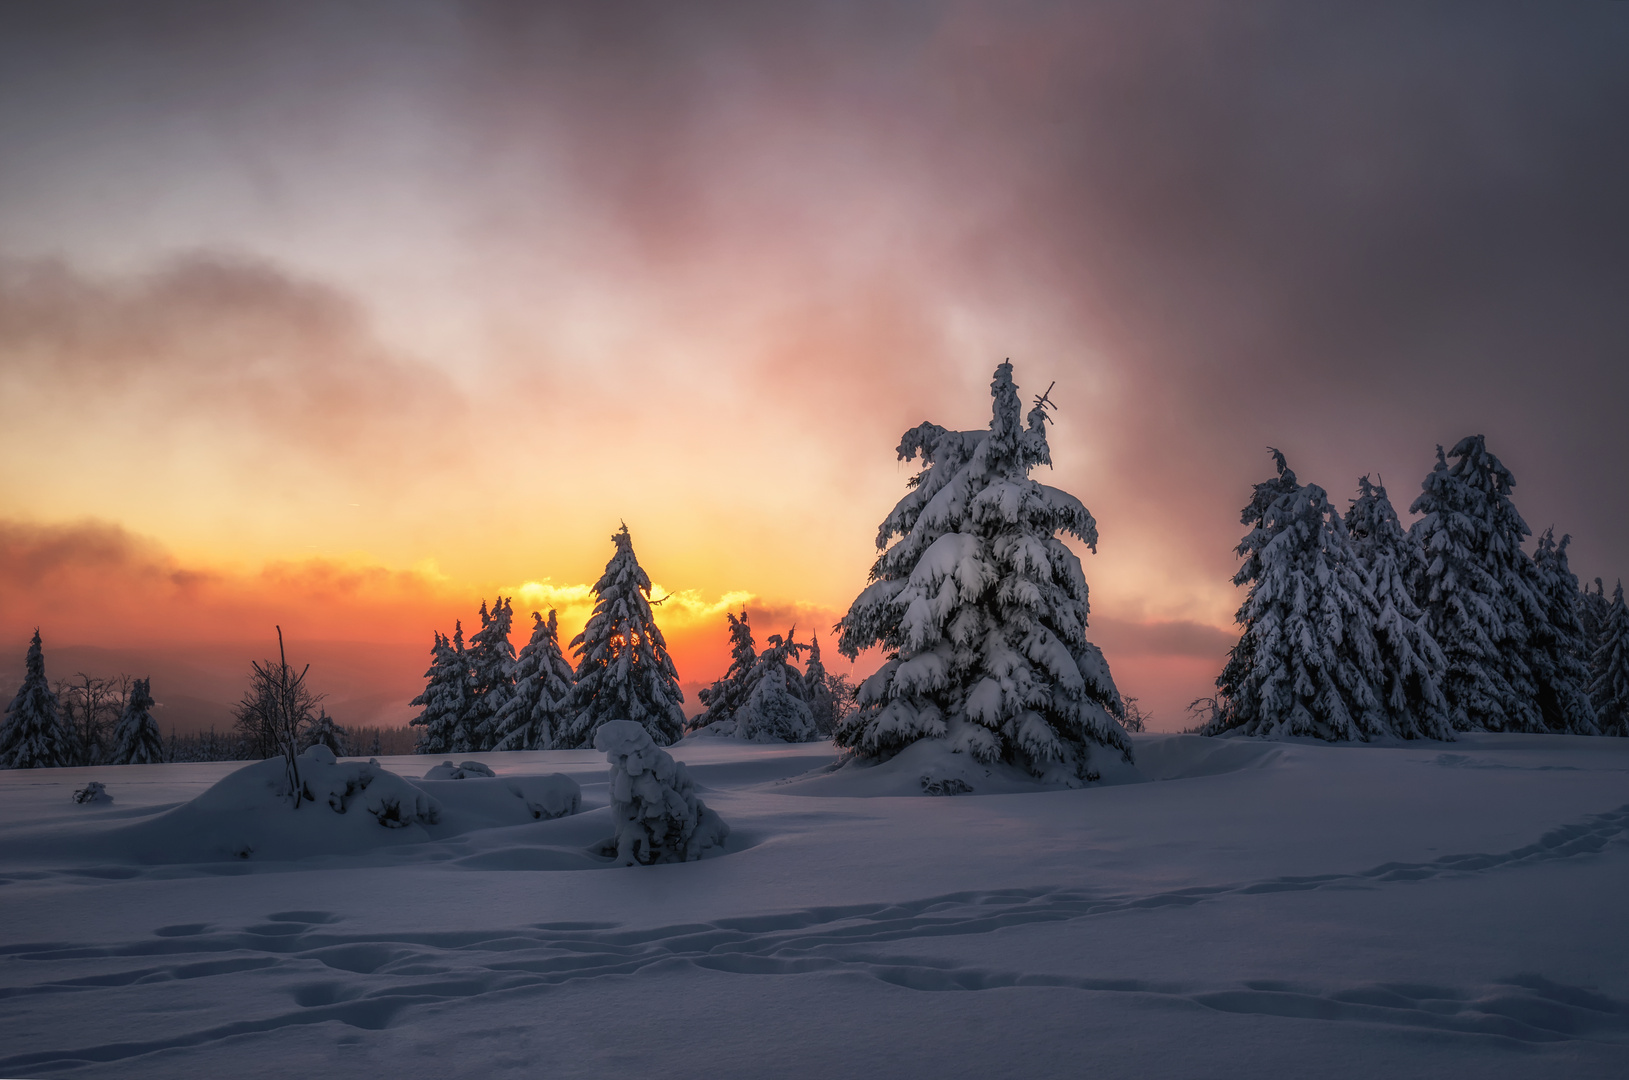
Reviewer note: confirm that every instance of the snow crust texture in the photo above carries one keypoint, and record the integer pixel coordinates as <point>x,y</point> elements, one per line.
<point>653,801</point>
<point>1241,908</point>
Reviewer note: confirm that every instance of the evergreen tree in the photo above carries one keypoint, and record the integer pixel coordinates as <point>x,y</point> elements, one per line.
<point>32,735</point>
<point>623,669</point>
<point>445,700</point>
<point>775,709</point>
<point>1559,655</point>
<point>1592,612</point>
<point>1411,662</point>
<point>728,694</point>
<point>981,609</point>
<point>492,673</point>
<point>1478,591</point>
<point>324,732</point>
<point>1610,689</point>
<point>532,716</point>
<point>817,692</point>
<point>1307,663</point>
<point>136,739</point>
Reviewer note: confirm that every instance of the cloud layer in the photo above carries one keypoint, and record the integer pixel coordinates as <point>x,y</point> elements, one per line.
<point>404,284</point>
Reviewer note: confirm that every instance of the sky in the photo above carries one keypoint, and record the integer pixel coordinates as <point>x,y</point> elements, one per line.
<point>346,316</point>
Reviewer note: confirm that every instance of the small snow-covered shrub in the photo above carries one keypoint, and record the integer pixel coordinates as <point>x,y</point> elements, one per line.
<point>945,785</point>
<point>658,817</point>
<point>462,771</point>
<point>93,792</point>
<point>347,785</point>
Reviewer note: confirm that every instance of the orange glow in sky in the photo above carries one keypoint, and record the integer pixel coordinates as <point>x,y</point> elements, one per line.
<point>347,323</point>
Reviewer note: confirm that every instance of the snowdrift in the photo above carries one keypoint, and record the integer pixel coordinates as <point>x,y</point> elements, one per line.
<point>350,807</point>
<point>933,767</point>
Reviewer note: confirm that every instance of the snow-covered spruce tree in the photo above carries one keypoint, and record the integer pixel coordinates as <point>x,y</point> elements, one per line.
<point>1610,689</point>
<point>1411,662</point>
<point>531,717</point>
<point>1306,663</point>
<point>32,735</point>
<point>445,700</point>
<point>817,692</point>
<point>136,739</point>
<point>775,709</point>
<point>623,669</point>
<point>492,673</point>
<point>322,731</point>
<point>653,801</point>
<point>1478,592</point>
<point>1592,607</point>
<point>1559,655</point>
<point>981,609</point>
<point>727,694</point>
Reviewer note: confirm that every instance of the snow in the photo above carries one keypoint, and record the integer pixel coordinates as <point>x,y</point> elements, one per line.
<point>1225,908</point>
<point>653,803</point>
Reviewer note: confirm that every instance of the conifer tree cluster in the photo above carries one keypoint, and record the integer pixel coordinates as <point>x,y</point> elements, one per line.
<point>1355,627</point>
<point>981,608</point>
<point>86,720</point>
<point>537,705</point>
<point>468,686</point>
<point>484,696</point>
<point>763,697</point>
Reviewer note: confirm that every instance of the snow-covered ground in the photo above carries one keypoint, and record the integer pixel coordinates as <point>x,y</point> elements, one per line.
<point>1255,910</point>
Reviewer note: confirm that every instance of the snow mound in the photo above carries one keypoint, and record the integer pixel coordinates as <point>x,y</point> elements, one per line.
<point>937,767</point>
<point>93,792</point>
<point>462,771</point>
<point>1183,757</point>
<point>653,801</point>
<point>346,808</point>
<point>492,801</point>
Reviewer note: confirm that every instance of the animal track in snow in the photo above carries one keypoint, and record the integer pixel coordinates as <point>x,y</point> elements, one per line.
<point>368,980</point>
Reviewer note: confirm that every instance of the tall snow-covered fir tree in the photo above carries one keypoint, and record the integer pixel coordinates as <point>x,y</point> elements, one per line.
<point>532,716</point>
<point>981,609</point>
<point>728,693</point>
<point>623,669</point>
<point>1478,592</point>
<point>1307,662</point>
<point>1559,653</point>
<point>1610,689</point>
<point>1411,662</point>
<point>32,735</point>
<point>446,698</point>
<point>136,739</point>
<point>492,673</point>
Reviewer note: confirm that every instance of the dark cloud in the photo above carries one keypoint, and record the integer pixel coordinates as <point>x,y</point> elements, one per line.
<point>1349,230</point>
<point>225,341</point>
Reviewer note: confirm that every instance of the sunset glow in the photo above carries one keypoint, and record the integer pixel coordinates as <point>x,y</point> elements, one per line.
<point>345,322</point>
